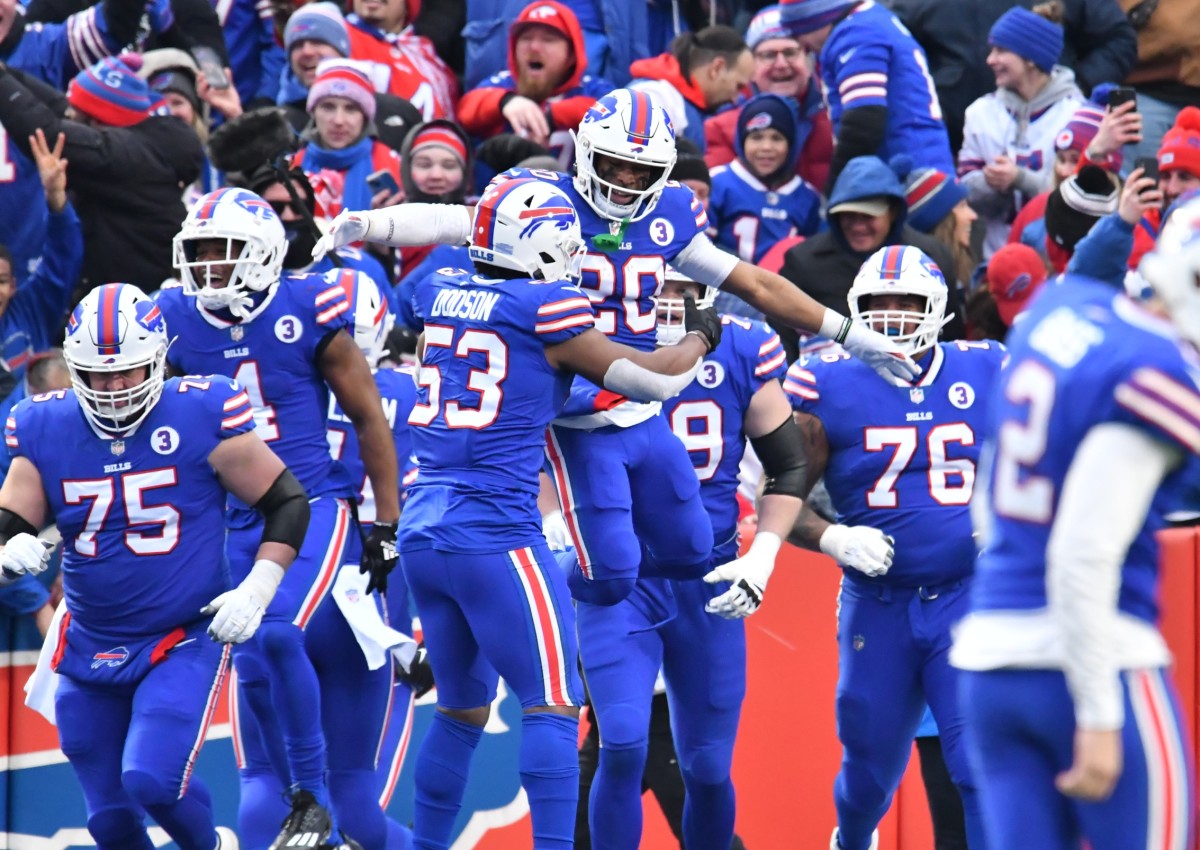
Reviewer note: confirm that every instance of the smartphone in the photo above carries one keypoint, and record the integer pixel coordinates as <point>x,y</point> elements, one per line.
<point>1149,166</point>
<point>210,66</point>
<point>382,180</point>
<point>1121,94</point>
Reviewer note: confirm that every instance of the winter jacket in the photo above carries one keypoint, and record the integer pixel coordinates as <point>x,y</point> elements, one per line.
<point>127,184</point>
<point>625,30</point>
<point>405,64</point>
<point>1100,45</point>
<point>1003,123</point>
<point>662,78</point>
<point>824,266</point>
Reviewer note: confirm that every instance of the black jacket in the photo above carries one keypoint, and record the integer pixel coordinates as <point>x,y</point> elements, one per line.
<point>1101,46</point>
<point>126,183</point>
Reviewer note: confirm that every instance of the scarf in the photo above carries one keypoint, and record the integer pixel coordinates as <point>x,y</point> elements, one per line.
<point>354,162</point>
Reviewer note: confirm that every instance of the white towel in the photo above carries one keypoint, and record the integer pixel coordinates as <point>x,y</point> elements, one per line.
<point>42,685</point>
<point>375,637</point>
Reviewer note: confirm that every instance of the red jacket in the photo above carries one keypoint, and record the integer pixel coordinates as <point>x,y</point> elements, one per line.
<point>407,66</point>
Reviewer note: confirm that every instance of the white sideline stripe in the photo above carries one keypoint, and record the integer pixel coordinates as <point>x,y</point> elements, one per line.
<point>44,758</point>
<point>65,838</point>
<point>484,821</point>
<point>20,658</point>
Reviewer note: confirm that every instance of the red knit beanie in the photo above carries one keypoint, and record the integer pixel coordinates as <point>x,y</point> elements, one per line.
<point>1180,150</point>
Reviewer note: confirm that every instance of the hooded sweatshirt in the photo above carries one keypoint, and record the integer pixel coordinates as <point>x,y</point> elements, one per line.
<point>1004,124</point>
<point>479,111</point>
<point>662,78</point>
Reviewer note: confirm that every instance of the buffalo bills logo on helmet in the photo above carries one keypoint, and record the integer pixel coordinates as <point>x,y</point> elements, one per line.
<point>149,316</point>
<point>601,109</point>
<point>552,211</point>
<point>761,121</point>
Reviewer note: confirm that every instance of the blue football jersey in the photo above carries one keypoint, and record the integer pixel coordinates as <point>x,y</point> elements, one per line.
<point>708,415</point>
<point>398,393</point>
<point>485,396</point>
<point>1083,355</point>
<point>903,459</point>
<point>748,218</point>
<point>143,540</point>
<point>871,59</point>
<point>273,354</point>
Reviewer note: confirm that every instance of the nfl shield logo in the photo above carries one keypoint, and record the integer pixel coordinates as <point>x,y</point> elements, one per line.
<point>117,447</point>
<point>917,395</point>
<point>237,332</point>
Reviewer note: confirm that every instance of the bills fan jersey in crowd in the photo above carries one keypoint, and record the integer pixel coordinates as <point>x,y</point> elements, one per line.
<point>399,393</point>
<point>1060,384</point>
<point>622,283</point>
<point>748,218</point>
<point>912,467</point>
<point>486,395</point>
<point>273,354</point>
<point>140,516</point>
<point>707,416</point>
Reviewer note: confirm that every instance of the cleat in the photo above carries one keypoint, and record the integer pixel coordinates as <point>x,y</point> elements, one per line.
<point>307,827</point>
<point>835,845</point>
<point>227,839</point>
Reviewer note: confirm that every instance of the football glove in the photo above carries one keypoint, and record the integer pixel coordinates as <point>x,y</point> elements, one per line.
<point>24,553</point>
<point>881,354</point>
<point>379,556</point>
<point>749,575</point>
<point>419,675</point>
<point>706,322</point>
<point>347,227</point>
<point>859,547</point>
<point>554,529</point>
<point>238,613</point>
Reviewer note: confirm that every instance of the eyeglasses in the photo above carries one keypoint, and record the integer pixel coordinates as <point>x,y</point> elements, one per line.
<point>791,54</point>
<point>281,206</point>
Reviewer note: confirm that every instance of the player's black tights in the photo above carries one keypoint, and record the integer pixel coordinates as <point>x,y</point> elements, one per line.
<point>945,806</point>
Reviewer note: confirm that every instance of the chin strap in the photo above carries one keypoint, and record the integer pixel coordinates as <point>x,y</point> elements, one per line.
<point>611,241</point>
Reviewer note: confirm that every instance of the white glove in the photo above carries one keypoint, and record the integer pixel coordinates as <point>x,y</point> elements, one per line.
<point>554,529</point>
<point>346,227</point>
<point>872,348</point>
<point>24,553</point>
<point>859,547</point>
<point>749,575</point>
<point>239,612</point>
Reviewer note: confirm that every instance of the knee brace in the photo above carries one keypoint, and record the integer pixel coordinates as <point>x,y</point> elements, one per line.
<point>118,829</point>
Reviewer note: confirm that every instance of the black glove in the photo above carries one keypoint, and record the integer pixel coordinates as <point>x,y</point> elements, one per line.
<point>706,322</point>
<point>419,675</point>
<point>379,554</point>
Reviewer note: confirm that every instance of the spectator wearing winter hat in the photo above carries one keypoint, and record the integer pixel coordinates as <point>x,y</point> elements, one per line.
<point>937,206</point>
<point>1013,275</point>
<point>1179,173</point>
<point>402,63</point>
<point>314,32</point>
<point>1009,135</point>
<point>881,100</point>
<point>1107,252</point>
<point>693,172</point>
<point>702,72</point>
<point>340,150</point>
<point>545,91</point>
<point>757,199</point>
<point>436,167</point>
<point>128,167</point>
<point>782,67</point>
<point>1074,207</point>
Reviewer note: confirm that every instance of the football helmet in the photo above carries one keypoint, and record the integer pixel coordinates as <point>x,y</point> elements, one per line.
<point>239,218</point>
<point>529,226</point>
<point>1173,268</point>
<point>626,125</point>
<point>670,328</point>
<point>372,319</point>
<point>116,327</point>
<point>901,269</point>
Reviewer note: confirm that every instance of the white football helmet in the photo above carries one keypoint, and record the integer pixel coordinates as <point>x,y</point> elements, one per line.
<point>901,269</point>
<point>670,327</point>
<point>625,124</point>
<point>1173,269</point>
<point>116,327</point>
<point>240,218</point>
<point>530,226</point>
<point>372,318</point>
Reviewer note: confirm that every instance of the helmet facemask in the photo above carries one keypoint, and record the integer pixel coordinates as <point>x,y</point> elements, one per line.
<point>670,306</point>
<point>901,271</point>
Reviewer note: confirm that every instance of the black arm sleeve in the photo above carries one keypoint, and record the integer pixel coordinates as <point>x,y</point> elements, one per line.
<point>783,460</point>
<point>285,509</point>
<point>861,134</point>
<point>13,524</point>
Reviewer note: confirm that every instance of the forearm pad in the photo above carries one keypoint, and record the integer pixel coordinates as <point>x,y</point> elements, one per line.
<point>408,225</point>
<point>12,524</point>
<point>783,460</point>
<point>285,510</point>
<point>640,384</point>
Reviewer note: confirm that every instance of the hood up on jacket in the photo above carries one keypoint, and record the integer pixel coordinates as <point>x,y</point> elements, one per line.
<point>666,67</point>
<point>869,177</point>
<point>549,13</point>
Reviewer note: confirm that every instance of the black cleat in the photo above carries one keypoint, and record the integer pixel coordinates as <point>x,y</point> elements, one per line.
<point>307,827</point>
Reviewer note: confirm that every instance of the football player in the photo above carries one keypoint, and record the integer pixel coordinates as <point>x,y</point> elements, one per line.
<point>899,465</point>
<point>1072,719</point>
<point>135,470</point>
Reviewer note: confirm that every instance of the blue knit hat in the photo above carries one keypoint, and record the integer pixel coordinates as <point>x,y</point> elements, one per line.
<point>1028,35</point>
<point>111,92</point>
<point>317,22</point>
<point>929,193</point>
<point>767,24</point>
<point>768,111</point>
<point>805,16</point>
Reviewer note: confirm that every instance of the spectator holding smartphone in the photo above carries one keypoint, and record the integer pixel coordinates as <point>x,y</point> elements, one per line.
<point>340,150</point>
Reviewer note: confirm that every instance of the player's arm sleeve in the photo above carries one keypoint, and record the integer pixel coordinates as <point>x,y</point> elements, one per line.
<point>1104,252</point>
<point>285,511</point>
<point>408,225</point>
<point>702,261</point>
<point>1107,492</point>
